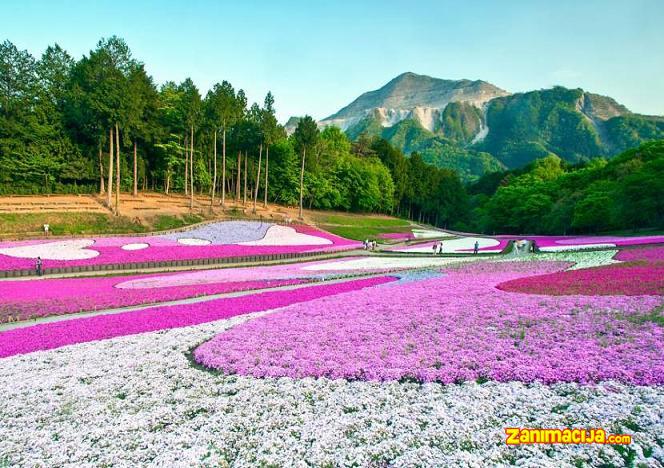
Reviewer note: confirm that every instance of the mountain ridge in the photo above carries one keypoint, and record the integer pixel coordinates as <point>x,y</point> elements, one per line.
<point>473,126</point>
<point>410,95</point>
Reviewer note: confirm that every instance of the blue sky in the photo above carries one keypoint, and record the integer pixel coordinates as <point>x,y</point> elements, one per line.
<point>317,56</point>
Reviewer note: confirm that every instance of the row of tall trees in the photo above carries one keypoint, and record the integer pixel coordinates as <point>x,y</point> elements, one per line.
<point>100,123</point>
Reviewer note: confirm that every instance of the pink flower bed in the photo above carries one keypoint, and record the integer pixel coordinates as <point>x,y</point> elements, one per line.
<point>161,249</point>
<point>553,241</point>
<point>642,274</point>
<point>56,334</point>
<point>652,255</point>
<point>452,328</point>
<point>20,300</point>
<point>23,300</point>
<point>610,280</point>
<point>427,247</point>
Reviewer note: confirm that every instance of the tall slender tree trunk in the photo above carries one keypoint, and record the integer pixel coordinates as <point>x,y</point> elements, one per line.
<point>223,169</point>
<point>244,196</point>
<point>191,169</point>
<point>239,175</point>
<point>135,171</point>
<point>304,155</point>
<point>186,166</point>
<point>117,170</point>
<point>214,169</point>
<point>109,193</point>
<point>258,176</point>
<point>101,173</point>
<point>267,160</point>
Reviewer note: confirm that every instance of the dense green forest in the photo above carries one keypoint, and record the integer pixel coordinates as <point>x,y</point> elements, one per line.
<point>551,196</point>
<point>81,126</point>
<point>93,124</point>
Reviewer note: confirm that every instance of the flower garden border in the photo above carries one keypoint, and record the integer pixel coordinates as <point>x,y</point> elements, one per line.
<point>173,263</point>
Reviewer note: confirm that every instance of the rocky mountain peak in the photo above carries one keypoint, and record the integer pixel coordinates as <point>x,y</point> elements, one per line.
<point>410,95</point>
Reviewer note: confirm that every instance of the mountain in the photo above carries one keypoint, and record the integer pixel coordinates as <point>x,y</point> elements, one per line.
<point>476,127</point>
<point>291,125</point>
<point>570,123</point>
<point>411,96</point>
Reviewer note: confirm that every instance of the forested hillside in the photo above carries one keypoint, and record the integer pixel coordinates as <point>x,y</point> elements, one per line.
<point>568,123</point>
<point>88,125</point>
<point>99,122</point>
<point>550,196</point>
<point>476,128</point>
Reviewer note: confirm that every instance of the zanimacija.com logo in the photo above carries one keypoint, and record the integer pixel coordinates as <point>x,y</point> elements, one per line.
<point>522,436</point>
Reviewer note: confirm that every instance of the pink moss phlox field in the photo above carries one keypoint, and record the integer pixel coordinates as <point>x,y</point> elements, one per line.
<point>22,300</point>
<point>553,241</point>
<point>647,254</point>
<point>56,334</point>
<point>452,328</point>
<point>110,251</point>
<point>610,280</point>
<point>268,272</point>
<point>641,274</point>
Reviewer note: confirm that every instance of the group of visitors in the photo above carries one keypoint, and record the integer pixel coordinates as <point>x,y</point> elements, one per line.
<point>437,247</point>
<point>370,244</point>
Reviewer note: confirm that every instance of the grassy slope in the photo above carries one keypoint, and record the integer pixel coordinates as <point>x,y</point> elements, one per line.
<point>360,227</point>
<point>67,223</point>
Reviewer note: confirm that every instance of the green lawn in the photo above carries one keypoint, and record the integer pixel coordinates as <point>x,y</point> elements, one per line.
<point>360,227</point>
<point>360,220</point>
<point>167,222</point>
<point>361,232</point>
<point>68,223</point>
<point>357,227</point>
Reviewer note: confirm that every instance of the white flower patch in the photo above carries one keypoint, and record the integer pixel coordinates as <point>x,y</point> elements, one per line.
<point>137,401</point>
<point>135,246</point>
<point>74,249</point>
<point>580,259</point>
<point>385,263</point>
<point>574,247</point>
<point>193,241</point>
<point>429,233</point>
<point>460,245</point>
<point>284,235</point>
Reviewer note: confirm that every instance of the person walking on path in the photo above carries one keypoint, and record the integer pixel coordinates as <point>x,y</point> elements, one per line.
<point>476,248</point>
<point>435,247</point>
<point>440,248</point>
<point>38,266</point>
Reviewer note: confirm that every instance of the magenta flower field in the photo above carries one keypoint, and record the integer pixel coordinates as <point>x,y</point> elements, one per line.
<point>217,240</point>
<point>56,334</point>
<point>642,273</point>
<point>22,300</point>
<point>452,328</point>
